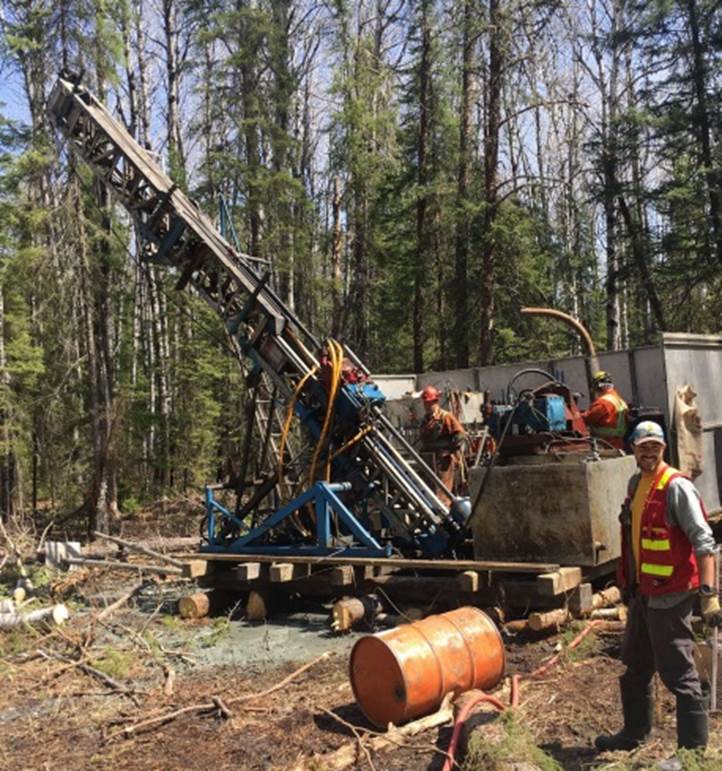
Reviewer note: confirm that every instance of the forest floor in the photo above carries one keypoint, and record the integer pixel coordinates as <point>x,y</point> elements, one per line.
<point>144,689</point>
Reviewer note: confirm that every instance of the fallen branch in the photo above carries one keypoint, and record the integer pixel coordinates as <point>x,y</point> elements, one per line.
<point>345,756</point>
<point>57,615</point>
<point>283,683</point>
<point>107,612</point>
<point>128,731</point>
<point>163,545</point>
<point>355,732</point>
<point>80,664</point>
<point>140,548</point>
<point>170,570</point>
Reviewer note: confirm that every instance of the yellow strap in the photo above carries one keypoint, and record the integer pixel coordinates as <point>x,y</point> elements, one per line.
<point>656,544</point>
<point>664,479</point>
<point>665,571</point>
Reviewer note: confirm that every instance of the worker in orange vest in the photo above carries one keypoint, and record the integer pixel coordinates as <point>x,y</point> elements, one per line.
<point>607,414</point>
<point>442,438</point>
<point>667,562</point>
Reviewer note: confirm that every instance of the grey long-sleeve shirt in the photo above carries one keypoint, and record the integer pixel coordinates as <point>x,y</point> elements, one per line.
<point>684,510</point>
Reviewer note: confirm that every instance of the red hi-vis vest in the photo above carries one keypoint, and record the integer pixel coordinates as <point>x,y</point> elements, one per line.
<point>667,562</point>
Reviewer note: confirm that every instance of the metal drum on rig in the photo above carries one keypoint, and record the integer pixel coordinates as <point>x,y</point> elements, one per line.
<point>405,672</point>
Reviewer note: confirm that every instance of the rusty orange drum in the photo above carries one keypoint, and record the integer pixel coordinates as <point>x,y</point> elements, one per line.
<point>405,672</point>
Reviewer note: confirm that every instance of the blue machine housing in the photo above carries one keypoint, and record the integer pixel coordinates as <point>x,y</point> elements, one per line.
<point>546,413</point>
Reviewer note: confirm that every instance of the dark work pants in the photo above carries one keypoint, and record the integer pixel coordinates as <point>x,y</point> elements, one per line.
<point>660,640</point>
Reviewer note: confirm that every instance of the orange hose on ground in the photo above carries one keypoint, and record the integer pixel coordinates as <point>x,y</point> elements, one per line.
<point>464,712</point>
<point>513,694</point>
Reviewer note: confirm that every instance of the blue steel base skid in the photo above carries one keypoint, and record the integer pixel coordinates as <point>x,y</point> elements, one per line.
<point>323,496</point>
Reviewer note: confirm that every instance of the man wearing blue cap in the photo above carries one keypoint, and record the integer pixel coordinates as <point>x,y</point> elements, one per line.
<point>667,558</point>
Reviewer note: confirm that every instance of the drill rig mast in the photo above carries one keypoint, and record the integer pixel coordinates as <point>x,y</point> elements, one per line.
<point>367,490</point>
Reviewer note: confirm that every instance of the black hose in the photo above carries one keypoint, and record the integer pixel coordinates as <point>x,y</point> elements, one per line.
<point>528,371</point>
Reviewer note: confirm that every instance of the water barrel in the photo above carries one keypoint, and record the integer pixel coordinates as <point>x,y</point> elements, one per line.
<point>402,673</point>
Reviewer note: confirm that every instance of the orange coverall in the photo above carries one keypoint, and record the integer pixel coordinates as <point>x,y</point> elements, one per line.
<point>442,436</point>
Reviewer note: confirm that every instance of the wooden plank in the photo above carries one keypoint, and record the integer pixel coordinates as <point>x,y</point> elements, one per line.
<point>280,572</point>
<point>195,568</point>
<point>248,571</point>
<point>562,580</point>
<point>342,575</point>
<point>580,600</point>
<point>518,593</point>
<point>468,581</point>
<point>396,563</point>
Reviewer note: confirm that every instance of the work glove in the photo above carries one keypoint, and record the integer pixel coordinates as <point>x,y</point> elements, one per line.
<point>711,611</point>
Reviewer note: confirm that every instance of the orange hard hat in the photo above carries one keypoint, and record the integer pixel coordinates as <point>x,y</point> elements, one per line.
<point>430,394</point>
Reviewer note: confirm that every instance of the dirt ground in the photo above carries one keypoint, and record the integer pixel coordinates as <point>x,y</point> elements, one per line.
<point>145,689</point>
<point>144,662</point>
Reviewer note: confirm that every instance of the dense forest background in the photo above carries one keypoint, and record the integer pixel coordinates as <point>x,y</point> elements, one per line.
<point>412,171</point>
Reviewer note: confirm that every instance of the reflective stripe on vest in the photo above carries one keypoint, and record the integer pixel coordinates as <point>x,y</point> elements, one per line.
<point>661,543</point>
<point>665,571</point>
<point>621,408</point>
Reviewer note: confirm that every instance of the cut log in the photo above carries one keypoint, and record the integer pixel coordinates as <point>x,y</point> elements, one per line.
<point>606,597</point>
<point>57,615</point>
<point>258,605</point>
<point>539,621</point>
<point>618,613</point>
<point>194,605</point>
<point>518,625</point>
<point>346,613</point>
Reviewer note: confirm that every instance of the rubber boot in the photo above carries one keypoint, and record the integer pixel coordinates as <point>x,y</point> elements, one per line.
<point>692,729</point>
<point>692,723</point>
<point>638,710</point>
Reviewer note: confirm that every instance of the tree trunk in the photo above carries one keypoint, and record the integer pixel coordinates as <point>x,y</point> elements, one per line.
<point>421,266</point>
<point>461,278</point>
<point>702,124</point>
<point>176,155</point>
<point>336,276</point>
<point>491,164</point>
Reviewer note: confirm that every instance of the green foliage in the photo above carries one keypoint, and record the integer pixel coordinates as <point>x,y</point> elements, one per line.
<point>114,662</point>
<point>517,744</point>
<point>220,628</point>
<point>280,105</point>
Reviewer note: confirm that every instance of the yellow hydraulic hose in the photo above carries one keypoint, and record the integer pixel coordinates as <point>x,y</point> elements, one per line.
<point>336,353</point>
<point>289,417</point>
<point>355,439</point>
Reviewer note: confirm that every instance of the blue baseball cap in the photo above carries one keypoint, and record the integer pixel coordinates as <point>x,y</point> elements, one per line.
<point>647,431</point>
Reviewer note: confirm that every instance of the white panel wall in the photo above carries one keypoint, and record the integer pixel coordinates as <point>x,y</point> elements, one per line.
<point>646,376</point>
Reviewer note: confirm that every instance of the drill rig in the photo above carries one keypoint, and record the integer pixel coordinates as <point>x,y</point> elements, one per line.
<point>363,490</point>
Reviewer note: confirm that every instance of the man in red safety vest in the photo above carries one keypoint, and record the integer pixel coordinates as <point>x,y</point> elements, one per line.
<point>442,438</point>
<point>607,414</point>
<point>667,561</point>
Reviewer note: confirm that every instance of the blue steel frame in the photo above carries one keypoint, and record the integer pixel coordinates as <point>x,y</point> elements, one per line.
<point>323,496</point>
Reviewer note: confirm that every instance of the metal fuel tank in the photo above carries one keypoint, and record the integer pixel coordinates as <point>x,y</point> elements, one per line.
<point>405,672</point>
